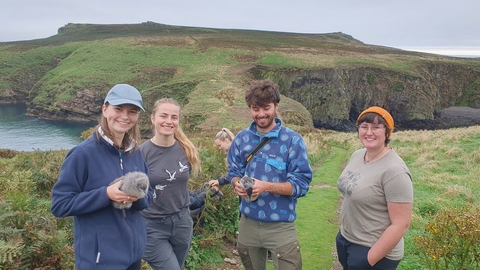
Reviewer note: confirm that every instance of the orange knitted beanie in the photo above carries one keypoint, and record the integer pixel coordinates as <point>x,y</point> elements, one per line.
<point>383,113</point>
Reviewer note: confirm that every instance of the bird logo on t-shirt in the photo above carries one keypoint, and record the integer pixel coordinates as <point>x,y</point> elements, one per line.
<point>183,168</point>
<point>172,175</point>
<point>159,187</point>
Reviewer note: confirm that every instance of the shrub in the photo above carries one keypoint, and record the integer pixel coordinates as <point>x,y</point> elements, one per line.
<point>29,236</point>
<point>86,133</point>
<point>451,240</point>
<point>219,217</point>
<point>370,78</point>
<point>44,166</point>
<point>398,87</point>
<point>7,153</point>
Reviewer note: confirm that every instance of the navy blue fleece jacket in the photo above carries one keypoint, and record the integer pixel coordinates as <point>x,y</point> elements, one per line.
<point>105,237</point>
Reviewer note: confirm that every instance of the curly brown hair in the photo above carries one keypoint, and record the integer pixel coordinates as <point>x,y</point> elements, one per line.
<point>262,92</point>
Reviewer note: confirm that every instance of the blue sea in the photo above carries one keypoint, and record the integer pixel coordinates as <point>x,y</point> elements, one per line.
<point>25,133</point>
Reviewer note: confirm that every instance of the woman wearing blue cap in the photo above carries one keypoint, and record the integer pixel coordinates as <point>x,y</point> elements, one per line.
<point>106,237</point>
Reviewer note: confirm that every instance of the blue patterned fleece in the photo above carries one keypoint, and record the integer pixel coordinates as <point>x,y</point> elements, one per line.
<point>282,159</point>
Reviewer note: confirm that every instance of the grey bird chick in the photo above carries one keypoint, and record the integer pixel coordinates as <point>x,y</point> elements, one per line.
<point>247,184</point>
<point>133,183</point>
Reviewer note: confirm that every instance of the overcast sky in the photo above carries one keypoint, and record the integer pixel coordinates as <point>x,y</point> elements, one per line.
<point>449,27</point>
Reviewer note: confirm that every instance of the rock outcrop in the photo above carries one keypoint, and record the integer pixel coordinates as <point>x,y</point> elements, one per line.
<point>84,107</point>
<point>336,96</point>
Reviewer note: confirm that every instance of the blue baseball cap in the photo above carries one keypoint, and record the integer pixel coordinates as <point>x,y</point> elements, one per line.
<point>124,94</point>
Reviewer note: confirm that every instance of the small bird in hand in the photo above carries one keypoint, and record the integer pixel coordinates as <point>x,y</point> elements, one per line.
<point>134,184</point>
<point>247,184</point>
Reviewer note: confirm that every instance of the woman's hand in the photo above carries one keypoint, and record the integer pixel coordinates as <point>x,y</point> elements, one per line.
<point>213,183</point>
<point>116,195</point>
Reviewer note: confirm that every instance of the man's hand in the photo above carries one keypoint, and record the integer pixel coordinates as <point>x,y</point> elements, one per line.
<point>238,188</point>
<point>283,188</point>
<point>259,187</point>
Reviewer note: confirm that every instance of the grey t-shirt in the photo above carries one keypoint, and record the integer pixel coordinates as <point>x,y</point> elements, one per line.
<point>169,171</point>
<point>366,189</point>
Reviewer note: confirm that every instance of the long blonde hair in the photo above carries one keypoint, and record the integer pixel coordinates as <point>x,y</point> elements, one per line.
<point>190,150</point>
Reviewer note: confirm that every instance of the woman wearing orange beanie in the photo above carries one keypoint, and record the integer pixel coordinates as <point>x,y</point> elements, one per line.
<point>377,198</point>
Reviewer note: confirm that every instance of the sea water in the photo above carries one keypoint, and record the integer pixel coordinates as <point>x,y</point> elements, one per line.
<point>25,133</point>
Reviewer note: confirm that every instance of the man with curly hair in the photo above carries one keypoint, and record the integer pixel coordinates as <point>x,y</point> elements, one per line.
<point>281,173</point>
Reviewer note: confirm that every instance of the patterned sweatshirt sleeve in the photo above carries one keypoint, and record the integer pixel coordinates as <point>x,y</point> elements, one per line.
<point>299,171</point>
<point>235,161</point>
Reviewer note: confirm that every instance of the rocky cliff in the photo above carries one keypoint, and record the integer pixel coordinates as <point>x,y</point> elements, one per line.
<point>336,96</point>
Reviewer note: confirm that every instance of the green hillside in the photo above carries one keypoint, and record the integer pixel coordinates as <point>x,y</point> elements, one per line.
<point>207,70</point>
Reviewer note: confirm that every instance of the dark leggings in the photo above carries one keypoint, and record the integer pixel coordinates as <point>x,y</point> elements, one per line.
<point>135,266</point>
<point>354,257</point>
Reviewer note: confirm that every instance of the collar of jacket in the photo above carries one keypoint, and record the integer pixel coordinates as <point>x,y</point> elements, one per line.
<point>100,131</point>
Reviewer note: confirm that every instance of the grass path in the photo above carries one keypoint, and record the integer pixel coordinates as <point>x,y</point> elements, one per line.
<point>317,221</point>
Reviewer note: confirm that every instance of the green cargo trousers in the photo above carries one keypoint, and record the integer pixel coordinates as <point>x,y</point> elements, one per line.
<point>255,238</point>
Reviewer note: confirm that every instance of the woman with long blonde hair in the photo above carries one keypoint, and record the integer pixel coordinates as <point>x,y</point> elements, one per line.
<point>171,158</point>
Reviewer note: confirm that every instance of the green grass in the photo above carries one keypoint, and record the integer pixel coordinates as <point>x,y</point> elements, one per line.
<point>444,173</point>
<point>317,227</point>
<point>317,221</point>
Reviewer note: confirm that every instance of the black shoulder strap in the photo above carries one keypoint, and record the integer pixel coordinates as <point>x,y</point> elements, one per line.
<point>262,143</point>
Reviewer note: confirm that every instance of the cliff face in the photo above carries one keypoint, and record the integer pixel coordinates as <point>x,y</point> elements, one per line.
<point>336,96</point>
<point>84,107</point>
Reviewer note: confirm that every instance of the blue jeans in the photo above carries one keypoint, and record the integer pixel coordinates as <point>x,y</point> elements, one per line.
<point>354,257</point>
<point>168,241</point>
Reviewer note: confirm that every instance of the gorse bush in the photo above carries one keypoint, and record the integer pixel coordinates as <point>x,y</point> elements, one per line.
<point>221,217</point>
<point>451,240</point>
<point>43,166</point>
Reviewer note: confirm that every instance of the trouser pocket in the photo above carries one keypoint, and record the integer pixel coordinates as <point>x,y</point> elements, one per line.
<point>289,256</point>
